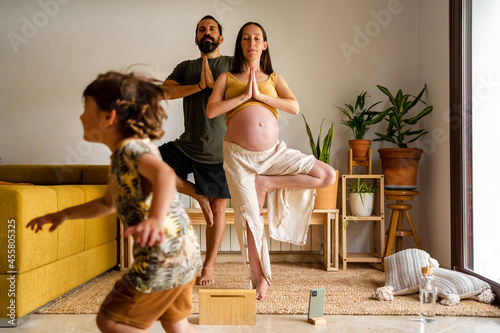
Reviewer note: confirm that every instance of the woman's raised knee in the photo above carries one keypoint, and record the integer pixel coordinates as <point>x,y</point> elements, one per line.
<point>329,176</point>
<point>325,174</point>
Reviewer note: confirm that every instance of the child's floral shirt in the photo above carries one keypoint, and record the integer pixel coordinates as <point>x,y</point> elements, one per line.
<point>176,260</point>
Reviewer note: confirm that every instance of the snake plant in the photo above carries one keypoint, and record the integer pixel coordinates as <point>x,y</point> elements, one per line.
<point>320,151</point>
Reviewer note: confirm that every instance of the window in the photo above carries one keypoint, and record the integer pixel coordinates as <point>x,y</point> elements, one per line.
<point>474,89</point>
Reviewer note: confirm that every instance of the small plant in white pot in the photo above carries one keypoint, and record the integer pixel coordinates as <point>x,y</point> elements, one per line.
<point>361,195</point>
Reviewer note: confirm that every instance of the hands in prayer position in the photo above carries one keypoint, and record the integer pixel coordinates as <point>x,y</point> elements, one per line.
<point>206,77</point>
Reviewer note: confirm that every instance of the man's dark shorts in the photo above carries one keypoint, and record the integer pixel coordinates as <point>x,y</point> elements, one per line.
<point>209,179</point>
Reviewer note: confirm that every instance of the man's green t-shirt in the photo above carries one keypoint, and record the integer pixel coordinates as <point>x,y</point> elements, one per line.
<point>202,137</point>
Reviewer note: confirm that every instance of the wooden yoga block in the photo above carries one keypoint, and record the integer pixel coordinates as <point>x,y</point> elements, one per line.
<point>317,321</point>
<point>227,306</point>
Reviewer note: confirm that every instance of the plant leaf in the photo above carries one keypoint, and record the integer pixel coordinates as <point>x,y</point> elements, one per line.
<point>380,116</point>
<point>311,139</point>
<point>384,137</point>
<point>417,99</point>
<point>327,144</point>
<point>422,114</point>
<point>388,93</point>
<point>415,139</point>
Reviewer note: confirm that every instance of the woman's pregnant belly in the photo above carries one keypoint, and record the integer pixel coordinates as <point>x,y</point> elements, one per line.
<point>254,127</point>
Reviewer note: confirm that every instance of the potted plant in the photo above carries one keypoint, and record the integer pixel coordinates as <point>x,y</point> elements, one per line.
<point>326,198</point>
<point>361,195</point>
<point>359,120</point>
<point>400,165</point>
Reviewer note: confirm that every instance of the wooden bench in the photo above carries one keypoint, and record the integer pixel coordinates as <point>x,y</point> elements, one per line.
<point>324,217</point>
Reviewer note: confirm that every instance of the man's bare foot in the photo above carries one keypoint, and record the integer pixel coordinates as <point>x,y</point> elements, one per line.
<point>206,278</point>
<point>206,207</point>
<point>261,191</point>
<point>261,290</point>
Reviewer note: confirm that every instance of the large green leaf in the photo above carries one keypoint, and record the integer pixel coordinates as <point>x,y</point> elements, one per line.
<point>318,148</point>
<point>416,138</point>
<point>395,122</point>
<point>311,139</point>
<point>417,99</point>
<point>388,93</point>
<point>327,144</point>
<point>380,116</point>
<point>422,114</point>
<point>384,138</point>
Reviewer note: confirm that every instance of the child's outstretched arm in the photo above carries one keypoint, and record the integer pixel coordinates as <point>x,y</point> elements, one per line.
<point>95,208</point>
<point>162,179</point>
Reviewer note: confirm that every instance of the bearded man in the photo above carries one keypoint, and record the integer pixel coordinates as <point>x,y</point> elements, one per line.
<point>199,149</point>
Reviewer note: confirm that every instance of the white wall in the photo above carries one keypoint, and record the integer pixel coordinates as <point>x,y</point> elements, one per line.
<point>328,51</point>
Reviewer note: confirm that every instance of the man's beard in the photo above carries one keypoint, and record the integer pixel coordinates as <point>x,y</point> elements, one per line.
<point>208,47</point>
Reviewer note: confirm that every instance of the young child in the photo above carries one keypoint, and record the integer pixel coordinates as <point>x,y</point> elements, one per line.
<point>123,112</point>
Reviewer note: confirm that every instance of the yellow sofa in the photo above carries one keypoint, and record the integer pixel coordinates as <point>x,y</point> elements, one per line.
<point>37,268</point>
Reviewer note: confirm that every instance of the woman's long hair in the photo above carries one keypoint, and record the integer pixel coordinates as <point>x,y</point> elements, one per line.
<point>239,59</point>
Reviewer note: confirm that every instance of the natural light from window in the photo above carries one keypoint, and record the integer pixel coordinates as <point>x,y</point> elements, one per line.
<point>486,159</point>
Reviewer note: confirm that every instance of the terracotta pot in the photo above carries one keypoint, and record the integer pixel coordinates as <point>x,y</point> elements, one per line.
<point>400,167</point>
<point>360,149</point>
<point>326,198</point>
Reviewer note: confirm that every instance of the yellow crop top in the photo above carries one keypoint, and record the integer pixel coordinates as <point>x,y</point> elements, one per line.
<point>235,87</point>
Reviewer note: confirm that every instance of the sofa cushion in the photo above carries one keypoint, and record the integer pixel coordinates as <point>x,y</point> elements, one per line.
<point>99,230</point>
<point>21,204</point>
<point>70,234</point>
<point>100,259</point>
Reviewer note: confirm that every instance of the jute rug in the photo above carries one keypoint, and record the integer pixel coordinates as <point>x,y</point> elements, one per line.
<point>348,292</point>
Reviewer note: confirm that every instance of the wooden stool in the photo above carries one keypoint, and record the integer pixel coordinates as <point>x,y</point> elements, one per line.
<point>396,232</point>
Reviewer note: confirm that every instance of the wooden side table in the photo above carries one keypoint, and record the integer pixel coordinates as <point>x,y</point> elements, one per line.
<point>328,218</point>
<point>399,210</point>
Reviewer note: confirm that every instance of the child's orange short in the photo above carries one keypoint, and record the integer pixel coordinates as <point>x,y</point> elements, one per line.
<point>126,305</point>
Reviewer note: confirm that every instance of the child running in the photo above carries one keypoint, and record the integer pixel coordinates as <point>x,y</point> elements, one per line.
<point>123,112</point>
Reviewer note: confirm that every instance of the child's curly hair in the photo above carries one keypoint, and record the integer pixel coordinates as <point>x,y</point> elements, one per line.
<point>136,101</point>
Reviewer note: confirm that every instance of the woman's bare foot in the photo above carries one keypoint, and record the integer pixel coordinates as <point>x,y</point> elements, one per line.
<point>261,289</point>
<point>207,277</point>
<point>206,209</point>
<point>261,191</point>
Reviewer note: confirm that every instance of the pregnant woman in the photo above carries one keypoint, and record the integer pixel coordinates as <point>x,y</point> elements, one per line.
<point>256,162</point>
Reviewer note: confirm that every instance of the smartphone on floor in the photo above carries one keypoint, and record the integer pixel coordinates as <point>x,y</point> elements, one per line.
<point>316,303</point>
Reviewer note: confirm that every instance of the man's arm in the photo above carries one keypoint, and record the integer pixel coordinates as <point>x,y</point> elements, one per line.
<point>174,90</point>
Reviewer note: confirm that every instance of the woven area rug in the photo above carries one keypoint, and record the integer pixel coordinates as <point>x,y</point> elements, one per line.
<point>348,292</point>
